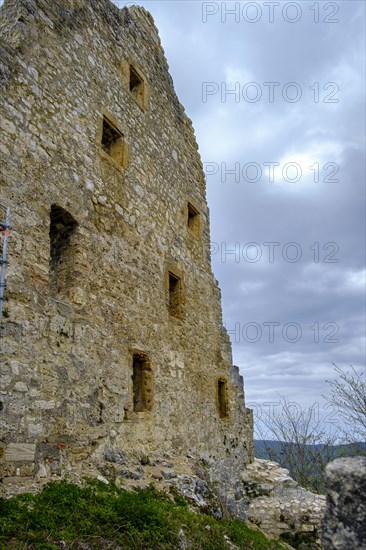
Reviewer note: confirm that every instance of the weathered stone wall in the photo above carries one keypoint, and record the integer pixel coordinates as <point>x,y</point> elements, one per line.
<point>281,507</point>
<point>344,524</point>
<point>102,212</point>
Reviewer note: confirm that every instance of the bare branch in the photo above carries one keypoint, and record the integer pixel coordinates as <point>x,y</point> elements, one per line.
<point>305,447</point>
<point>348,395</point>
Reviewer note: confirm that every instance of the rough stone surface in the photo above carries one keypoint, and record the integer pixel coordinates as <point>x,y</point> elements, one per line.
<point>344,524</point>
<point>186,476</point>
<point>112,344</point>
<point>281,507</point>
<point>20,452</point>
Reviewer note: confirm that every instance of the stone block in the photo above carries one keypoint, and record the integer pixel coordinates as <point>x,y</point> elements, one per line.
<point>344,524</point>
<point>20,452</point>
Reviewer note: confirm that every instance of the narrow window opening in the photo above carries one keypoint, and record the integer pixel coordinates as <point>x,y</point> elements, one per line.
<point>62,250</point>
<point>193,220</point>
<point>175,295</point>
<point>113,143</point>
<point>137,86</point>
<point>142,383</point>
<point>222,397</point>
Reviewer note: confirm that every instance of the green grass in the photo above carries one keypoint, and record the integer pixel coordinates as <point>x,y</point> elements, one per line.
<point>105,517</point>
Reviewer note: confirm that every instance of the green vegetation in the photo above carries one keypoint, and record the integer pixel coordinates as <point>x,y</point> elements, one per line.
<point>102,516</point>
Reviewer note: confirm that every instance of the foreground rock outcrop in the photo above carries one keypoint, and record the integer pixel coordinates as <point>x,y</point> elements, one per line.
<point>345,517</point>
<point>280,506</point>
<point>267,496</point>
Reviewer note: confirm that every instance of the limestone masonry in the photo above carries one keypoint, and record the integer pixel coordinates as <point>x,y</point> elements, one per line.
<point>112,344</point>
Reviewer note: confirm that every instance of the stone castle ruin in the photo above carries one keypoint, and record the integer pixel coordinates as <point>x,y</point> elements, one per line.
<point>112,343</point>
<point>113,356</point>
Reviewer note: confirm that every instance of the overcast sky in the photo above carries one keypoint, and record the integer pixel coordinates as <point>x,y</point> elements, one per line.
<point>311,122</point>
<point>295,306</point>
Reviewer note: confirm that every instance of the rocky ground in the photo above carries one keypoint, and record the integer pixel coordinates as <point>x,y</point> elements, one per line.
<point>276,504</point>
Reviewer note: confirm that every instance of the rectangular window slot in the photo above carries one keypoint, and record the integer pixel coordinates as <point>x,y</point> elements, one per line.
<point>193,220</point>
<point>175,295</point>
<point>142,383</point>
<point>62,250</point>
<point>137,86</point>
<point>113,143</point>
<point>222,397</point>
